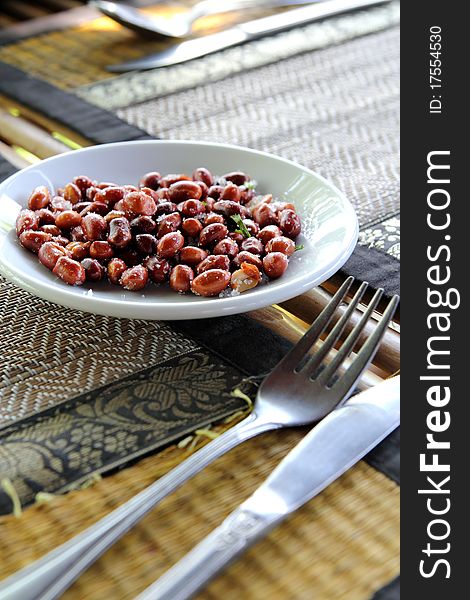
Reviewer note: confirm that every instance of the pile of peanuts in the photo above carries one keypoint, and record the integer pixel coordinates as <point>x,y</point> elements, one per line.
<point>201,234</point>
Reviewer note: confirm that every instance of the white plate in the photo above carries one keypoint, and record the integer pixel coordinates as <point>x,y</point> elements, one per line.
<point>329,226</point>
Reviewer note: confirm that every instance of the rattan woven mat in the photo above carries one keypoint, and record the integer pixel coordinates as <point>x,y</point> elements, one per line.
<point>343,545</point>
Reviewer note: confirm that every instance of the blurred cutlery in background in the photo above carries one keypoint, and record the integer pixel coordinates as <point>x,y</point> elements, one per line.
<point>181,24</point>
<point>244,32</point>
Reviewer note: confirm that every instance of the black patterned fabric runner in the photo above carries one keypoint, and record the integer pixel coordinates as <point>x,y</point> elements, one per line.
<point>102,429</point>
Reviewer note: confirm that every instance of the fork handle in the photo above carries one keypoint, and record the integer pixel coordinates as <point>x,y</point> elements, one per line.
<point>48,577</point>
<point>240,530</point>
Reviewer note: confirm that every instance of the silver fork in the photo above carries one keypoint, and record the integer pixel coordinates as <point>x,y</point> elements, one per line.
<point>299,391</point>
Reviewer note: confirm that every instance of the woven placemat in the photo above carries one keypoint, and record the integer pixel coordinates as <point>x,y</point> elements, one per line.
<point>343,545</point>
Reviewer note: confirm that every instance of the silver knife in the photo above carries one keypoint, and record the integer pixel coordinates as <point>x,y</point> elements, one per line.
<point>245,32</point>
<point>331,448</point>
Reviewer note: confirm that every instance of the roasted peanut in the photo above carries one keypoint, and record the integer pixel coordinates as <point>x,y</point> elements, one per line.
<point>117,214</point>
<point>213,217</point>
<point>96,207</point>
<point>252,227</point>
<point>274,264</point>
<point>52,229</point>
<point>168,224</point>
<point>40,198</point>
<point>119,232</point>
<point>237,237</point>
<point>67,219</point>
<point>45,216</point>
<point>210,283</point>
<point>58,204</point>
<point>191,255</point>
<point>248,257</point>
<point>192,207</point>
<point>184,190</point>
<point>33,240</point>
<point>191,227</point>
<point>94,226</point>
<point>204,189</point>
<point>211,234</point>
<point>115,269</point>
<point>77,234</point>
<point>236,177</point>
<point>231,192</point>
<point>94,271</point>
<point>69,271</point>
<point>143,224</point>
<point>253,245</point>
<point>214,191</point>
<point>25,221</point>
<point>78,250</point>
<point>151,180</point>
<point>289,222</point>
<point>81,206</point>
<point>106,184</point>
<point>168,180</point>
<point>241,280</point>
<point>204,175</point>
<point>139,203</point>
<point>280,206</point>
<point>130,257</point>
<point>227,207</point>
<point>50,252</point>
<point>213,261</point>
<point>170,244</point>
<point>268,233</point>
<point>165,208</point>
<point>83,183</point>
<point>264,215</point>
<point>72,193</point>
<point>145,243</point>
<point>91,193</point>
<point>61,240</point>
<point>109,196</point>
<point>158,268</point>
<point>181,278</point>
<point>101,250</point>
<point>281,244</point>
<point>247,195</point>
<point>135,278</point>
<point>226,246</point>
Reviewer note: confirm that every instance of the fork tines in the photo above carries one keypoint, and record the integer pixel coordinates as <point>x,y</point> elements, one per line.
<point>315,366</point>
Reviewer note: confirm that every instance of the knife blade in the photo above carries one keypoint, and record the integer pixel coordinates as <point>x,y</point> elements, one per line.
<point>333,446</point>
<point>242,33</point>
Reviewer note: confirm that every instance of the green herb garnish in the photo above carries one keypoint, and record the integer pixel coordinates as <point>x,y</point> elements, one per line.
<point>250,185</point>
<point>299,247</point>
<point>242,228</point>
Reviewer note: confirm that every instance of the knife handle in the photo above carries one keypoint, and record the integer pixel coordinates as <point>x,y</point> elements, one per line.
<point>240,530</point>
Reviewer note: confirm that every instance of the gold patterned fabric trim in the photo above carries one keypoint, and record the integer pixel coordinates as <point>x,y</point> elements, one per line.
<point>100,430</point>
<point>384,236</point>
<point>343,545</point>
